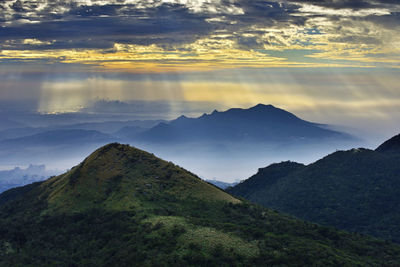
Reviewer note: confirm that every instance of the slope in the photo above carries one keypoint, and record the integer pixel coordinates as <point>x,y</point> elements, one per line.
<point>390,146</point>
<point>355,190</point>
<point>123,206</point>
<point>120,177</point>
<point>254,188</point>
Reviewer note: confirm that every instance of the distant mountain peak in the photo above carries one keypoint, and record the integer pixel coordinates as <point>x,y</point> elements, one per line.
<point>258,107</point>
<point>263,106</point>
<point>261,123</point>
<point>182,117</point>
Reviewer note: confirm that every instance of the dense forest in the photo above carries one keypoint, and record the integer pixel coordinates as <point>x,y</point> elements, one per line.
<point>356,190</point>
<point>122,206</point>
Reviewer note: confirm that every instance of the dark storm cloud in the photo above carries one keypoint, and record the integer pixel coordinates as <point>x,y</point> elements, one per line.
<point>102,26</point>
<point>271,11</point>
<point>66,25</point>
<point>390,21</point>
<point>357,39</point>
<point>262,14</point>
<point>249,42</point>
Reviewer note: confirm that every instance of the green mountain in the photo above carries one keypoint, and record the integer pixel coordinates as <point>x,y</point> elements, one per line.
<point>390,146</point>
<point>356,190</point>
<point>126,207</point>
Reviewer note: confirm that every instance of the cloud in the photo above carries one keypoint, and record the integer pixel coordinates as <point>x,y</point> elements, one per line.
<point>102,26</point>
<point>351,4</point>
<point>184,32</point>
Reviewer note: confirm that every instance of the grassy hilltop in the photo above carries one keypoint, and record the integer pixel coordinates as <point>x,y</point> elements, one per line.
<point>123,206</point>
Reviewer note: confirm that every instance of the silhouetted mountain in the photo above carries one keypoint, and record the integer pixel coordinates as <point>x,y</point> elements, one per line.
<point>223,145</point>
<point>125,207</point>
<point>261,123</point>
<point>355,190</point>
<point>390,146</point>
<point>9,124</point>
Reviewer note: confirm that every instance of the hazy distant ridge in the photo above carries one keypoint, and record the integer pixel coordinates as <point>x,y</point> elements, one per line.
<point>261,123</point>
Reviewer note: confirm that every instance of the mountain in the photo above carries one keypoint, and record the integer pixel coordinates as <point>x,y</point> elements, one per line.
<point>58,148</point>
<point>220,184</point>
<point>254,187</point>
<point>356,190</point>
<point>110,127</point>
<point>125,207</point>
<point>106,127</point>
<point>390,146</point>
<point>58,137</point>
<point>20,132</point>
<point>128,131</point>
<point>9,124</point>
<point>224,145</point>
<point>261,123</point>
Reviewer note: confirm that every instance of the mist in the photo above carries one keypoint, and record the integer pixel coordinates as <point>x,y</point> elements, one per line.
<point>61,141</point>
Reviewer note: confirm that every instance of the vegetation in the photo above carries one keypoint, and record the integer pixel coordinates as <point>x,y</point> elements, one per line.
<point>125,207</point>
<point>390,146</point>
<point>355,190</point>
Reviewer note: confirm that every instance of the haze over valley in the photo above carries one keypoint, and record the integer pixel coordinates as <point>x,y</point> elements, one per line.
<point>199,133</point>
<point>224,145</point>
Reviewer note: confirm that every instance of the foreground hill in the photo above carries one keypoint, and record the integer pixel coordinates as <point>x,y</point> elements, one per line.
<point>261,123</point>
<point>123,206</point>
<point>355,190</point>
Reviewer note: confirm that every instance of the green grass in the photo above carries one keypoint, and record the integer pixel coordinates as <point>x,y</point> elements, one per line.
<point>118,177</point>
<point>355,190</point>
<point>96,215</point>
<point>205,239</point>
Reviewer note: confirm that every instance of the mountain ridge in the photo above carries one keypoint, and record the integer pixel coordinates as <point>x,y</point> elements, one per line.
<point>124,206</point>
<point>390,146</point>
<point>130,171</point>
<point>355,190</point>
<point>259,123</point>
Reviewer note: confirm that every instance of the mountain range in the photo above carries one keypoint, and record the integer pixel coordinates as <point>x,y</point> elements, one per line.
<point>220,184</point>
<point>356,190</point>
<point>225,145</point>
<point>125,207</point>
<point>261,123</point>
<point>9,124</point>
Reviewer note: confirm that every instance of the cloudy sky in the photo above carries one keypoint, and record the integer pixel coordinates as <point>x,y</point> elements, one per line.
<point>326,60</point>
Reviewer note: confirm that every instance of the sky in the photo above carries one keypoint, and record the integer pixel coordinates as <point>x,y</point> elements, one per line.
<point>328,61</point>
